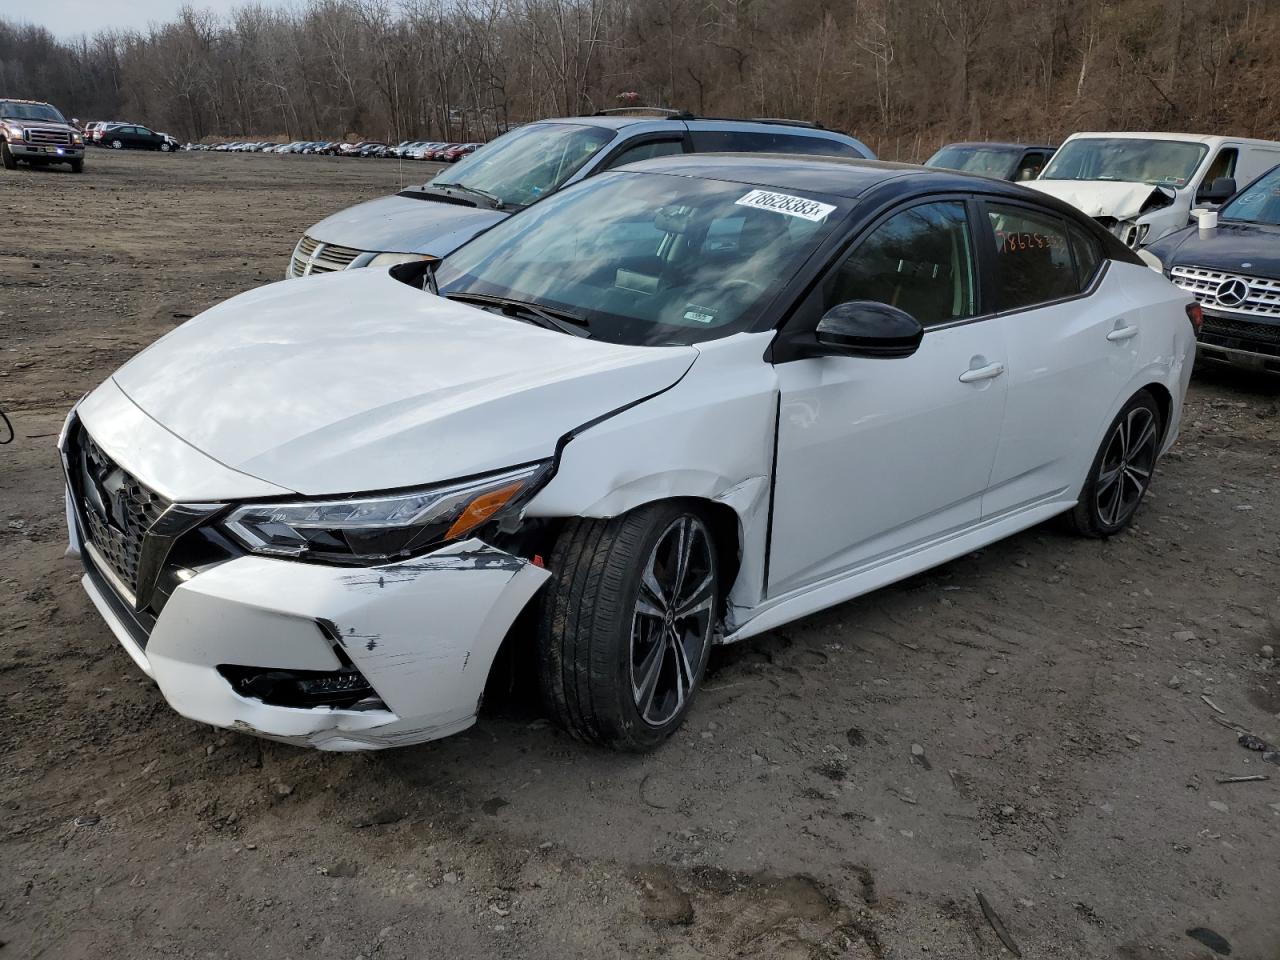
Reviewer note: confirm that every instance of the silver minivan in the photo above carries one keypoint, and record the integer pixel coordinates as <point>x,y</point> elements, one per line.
<point>521,167</point>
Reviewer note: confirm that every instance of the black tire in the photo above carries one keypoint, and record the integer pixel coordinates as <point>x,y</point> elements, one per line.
<point>599,625</point>
<point>1121,472</point>
<point>6,157</point>
<point>77,166</point>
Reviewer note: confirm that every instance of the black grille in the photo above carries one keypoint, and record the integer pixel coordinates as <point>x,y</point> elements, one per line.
<point>1241,334</point>
<point>117,510</point>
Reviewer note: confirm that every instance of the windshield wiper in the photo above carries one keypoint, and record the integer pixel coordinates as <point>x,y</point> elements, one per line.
<point>492,198</point>
<point>534,313</point>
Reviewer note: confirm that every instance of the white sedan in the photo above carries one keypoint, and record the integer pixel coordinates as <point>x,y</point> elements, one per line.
<point>678,404</point>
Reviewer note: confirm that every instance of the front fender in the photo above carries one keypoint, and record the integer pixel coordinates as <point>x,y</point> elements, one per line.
<point>709,437</point>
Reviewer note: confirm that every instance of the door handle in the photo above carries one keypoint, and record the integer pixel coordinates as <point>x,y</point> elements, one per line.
<point>1123,333</point>
<point>990,371</point>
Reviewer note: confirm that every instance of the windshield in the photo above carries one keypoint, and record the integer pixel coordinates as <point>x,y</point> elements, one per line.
<point>1257,203</point>
<point>30,111</point>
<point>647,258</point>
<point>528,163</point>
<point>1170,163</point>
<point>988,161</point>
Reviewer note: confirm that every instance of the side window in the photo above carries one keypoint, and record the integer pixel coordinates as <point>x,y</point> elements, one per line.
<point>1087,252</point>
<point>816,146</point>
<point>752,141</point>
<point>733,141</point>
<point>919,260</point>
<point>1224,165</point>
<point>646,151</point>
<point>1029,169</point>
<point>1033,257</point>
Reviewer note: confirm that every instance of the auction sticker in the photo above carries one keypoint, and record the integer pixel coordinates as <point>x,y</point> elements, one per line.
<point>785,203</point>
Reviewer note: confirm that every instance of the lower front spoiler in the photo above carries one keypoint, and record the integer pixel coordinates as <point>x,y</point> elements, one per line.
<point>423,633</point>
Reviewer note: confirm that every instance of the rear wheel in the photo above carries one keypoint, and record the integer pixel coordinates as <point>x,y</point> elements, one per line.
<point>117,144</point>
<point>165,148</point>
<point>7,158</point>
<point>626,623</point>
<point>1121,471</point>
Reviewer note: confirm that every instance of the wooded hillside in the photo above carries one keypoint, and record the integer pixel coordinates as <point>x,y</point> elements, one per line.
<point>904,76</point>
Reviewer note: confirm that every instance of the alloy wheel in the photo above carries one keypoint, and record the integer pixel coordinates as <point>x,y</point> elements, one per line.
<point>1127,464</point>
<point>671,626</point>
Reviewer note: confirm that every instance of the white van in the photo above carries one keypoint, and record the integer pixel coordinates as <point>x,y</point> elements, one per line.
<point>1142,186</point>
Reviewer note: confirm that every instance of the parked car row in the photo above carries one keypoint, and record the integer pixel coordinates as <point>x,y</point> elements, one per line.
<point>440,151</point>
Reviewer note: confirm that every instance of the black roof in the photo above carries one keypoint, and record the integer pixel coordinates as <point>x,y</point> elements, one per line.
<point>852,179</point>
<point>836,176</point>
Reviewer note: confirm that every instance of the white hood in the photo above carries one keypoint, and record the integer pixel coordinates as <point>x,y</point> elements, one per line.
<point>354,381</point>
<point>1099,198</point>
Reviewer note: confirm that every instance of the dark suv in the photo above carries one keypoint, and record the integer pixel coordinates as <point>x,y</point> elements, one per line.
<point>1233,269</point>
<point>529,163</point>
<point>36,132</point>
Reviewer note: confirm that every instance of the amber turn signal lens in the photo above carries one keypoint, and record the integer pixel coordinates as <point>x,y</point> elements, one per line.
<point>482,508</point>
<point>1196,315</point>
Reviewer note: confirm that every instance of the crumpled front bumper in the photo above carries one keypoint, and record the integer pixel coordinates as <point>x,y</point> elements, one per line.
<point>423,632</point>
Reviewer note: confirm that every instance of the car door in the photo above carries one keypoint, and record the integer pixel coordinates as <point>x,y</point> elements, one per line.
<point>876,457</point>
<point>1072,337</point>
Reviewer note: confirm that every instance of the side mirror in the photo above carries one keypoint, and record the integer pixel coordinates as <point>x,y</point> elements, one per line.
<point>1220,191</point>
<point>865,328</point>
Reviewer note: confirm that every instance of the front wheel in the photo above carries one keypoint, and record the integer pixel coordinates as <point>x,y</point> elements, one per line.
<point>1121,472</point>
<point>77,166</point>
<point>626,624</point>
<point>7,158</point>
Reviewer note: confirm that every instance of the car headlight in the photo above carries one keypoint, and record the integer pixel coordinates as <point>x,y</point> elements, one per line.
<point>372,529</point>
<point>76,138</point>
<point>14,131</point>
<point>391,259</point>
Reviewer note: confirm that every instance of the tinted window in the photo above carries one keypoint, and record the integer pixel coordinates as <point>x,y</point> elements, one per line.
<point>1088,254</point>
<point>919,260</point>
<point>647,151</point>
<point>1033,258</point>
<point>750,141</point>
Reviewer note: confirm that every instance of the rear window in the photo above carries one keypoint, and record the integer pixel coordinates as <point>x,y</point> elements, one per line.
<point>752,141</point>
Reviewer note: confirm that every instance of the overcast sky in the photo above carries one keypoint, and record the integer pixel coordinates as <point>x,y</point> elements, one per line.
<point>67,19</point>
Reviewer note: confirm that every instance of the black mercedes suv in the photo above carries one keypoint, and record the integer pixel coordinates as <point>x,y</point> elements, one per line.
<point>1233,269</point>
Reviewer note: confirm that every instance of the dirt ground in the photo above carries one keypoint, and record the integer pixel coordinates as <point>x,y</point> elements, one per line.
<point>1044,721</point>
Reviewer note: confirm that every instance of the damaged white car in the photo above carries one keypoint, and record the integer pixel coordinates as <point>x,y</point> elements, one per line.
<point>1143,186</point>
<point>675,405</point>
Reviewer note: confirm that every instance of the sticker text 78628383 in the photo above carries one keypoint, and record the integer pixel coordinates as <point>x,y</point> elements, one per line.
<point>786,203</point>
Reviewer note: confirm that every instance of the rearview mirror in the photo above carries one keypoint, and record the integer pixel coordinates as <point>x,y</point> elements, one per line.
<point>1220,191</point>
<point>865,328</point>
